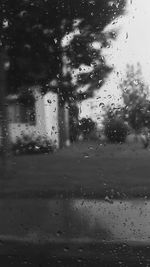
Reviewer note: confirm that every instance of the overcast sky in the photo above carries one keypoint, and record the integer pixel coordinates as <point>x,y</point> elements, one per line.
<point>131,46</point>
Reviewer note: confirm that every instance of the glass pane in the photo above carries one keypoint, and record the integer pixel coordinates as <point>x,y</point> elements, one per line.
<point>74,133</point>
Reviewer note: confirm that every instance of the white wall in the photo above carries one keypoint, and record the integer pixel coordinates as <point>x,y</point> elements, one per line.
<point>51,117</point>
<point>46,107</point>
<point>40,113</point>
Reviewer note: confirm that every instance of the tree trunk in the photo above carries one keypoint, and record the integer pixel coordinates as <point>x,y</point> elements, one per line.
<point>60,122</point>
<point>66,124</point>
<point>63,118</point>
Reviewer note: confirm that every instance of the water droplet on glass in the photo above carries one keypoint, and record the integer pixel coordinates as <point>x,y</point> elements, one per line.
<point>66,249</point>
<point>59,233</point>
<point>109,200</point>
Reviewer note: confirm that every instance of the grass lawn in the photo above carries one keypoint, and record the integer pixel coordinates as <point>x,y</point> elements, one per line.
<point>82,170</point>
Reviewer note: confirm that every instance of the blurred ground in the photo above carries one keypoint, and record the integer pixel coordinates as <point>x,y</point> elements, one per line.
<point>85,169</point>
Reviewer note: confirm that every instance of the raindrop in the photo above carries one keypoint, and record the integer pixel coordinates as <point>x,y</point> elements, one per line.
<point>101,104</point>
<point>59,233</point>
<point>22,13</point>
<point>66,249</point>
<point>92,2</point>
<point>6,65</point>
<point>5,23</point>
<point>109,200</point>
<point>135,82</point>
<point>86,156</point>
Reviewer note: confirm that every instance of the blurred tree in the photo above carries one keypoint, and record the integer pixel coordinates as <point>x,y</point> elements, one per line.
<point>115,127</point>
<point>33,32</point>
<point>86,126</point>
<point>135,95</point>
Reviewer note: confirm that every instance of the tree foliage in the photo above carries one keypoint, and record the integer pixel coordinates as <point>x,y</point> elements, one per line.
<point>115,127</point>
<point>135,95</point>
<point>116,130</point>
<point>32,32</point>
<point>86,126</point>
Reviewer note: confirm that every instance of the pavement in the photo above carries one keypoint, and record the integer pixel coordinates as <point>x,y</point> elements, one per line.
<point>74,220</point>
<point>49,215</point>
<point>74,232</point>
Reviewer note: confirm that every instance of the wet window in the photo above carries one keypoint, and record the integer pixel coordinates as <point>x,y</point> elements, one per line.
<point>74,133</point>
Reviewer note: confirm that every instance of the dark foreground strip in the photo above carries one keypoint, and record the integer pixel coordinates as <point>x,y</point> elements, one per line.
<point>100,254</point>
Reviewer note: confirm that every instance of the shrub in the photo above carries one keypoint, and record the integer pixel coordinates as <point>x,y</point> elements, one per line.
<point>86,127</point>
<point>30,144</point>
<point>116,131</point>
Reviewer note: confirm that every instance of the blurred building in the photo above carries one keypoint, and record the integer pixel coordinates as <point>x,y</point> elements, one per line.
<point>35,114</point>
